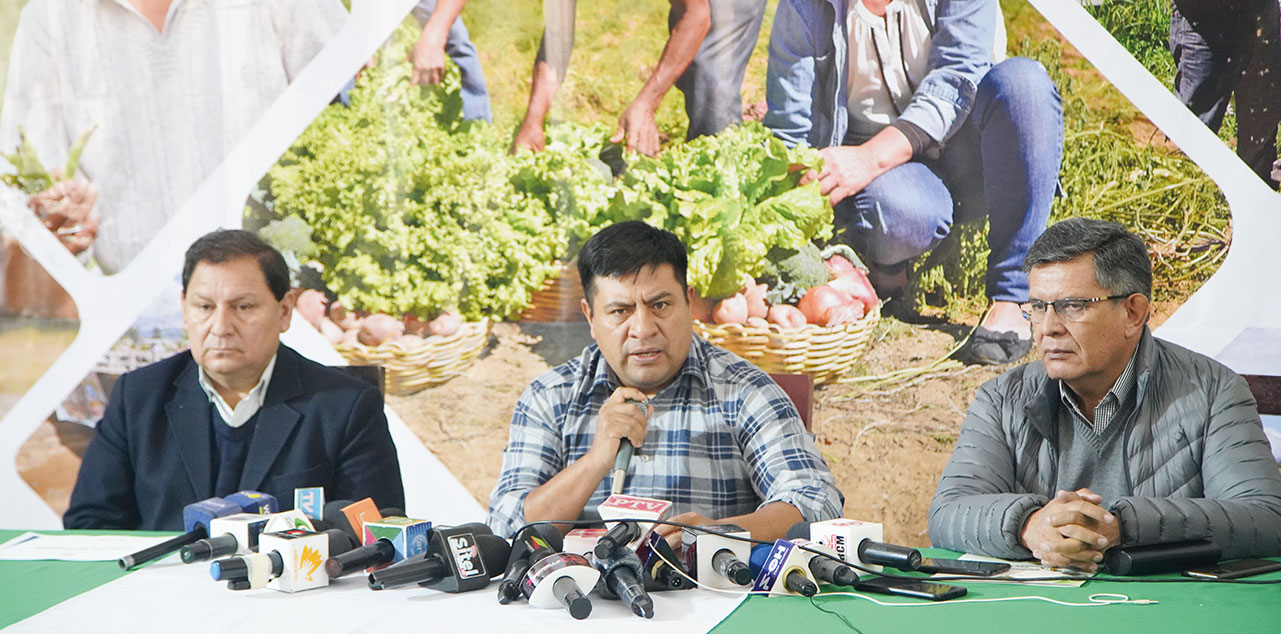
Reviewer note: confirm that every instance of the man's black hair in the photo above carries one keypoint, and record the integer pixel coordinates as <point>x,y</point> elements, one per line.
<point>624,249</point>
<point>1121,263</point>
<point>229,244</point>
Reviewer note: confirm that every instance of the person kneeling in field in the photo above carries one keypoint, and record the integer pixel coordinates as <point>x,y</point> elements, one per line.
<point>1114,438</point>
<point>713,434</point>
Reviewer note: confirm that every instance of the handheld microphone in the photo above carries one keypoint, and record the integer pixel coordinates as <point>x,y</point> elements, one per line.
<point>846,537</point>
<point>829,569</point>
<point>661,572</point>
<point>357,513</point>
<point>459,559</point>
<point>530,545</point>
<point>287,561</point>
<point>293,519</point>
<point>1147,559</point>
<point>786,570</point>
<point>255,502</point>
<point>231,535</point>
<point>558,580</point>
<point>624,457</point>
<point>620,535</point>
<point>311,501</point>
<point>195,521</point>
<point>621,572</point>
<point>645,510</point>
<point>370,556</point>
<point>900,557</point>
<point>367,556</point>
<point>619,474</point>
<point>716,560</point>
<point>408,537</point>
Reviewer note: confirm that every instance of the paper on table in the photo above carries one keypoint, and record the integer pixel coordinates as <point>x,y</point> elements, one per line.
<point>35,546</point>
<point>1024,572</point>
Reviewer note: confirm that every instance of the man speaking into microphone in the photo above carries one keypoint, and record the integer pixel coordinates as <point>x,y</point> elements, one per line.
<point>712,433</point>
<point>238,411</point>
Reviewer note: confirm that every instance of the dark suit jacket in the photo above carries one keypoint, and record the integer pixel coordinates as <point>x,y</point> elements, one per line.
<point>152,452</point>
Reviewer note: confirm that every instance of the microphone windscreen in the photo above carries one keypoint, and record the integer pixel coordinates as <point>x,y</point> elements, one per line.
<point>760,553</point>
<point>799,530</point>
<point>392,511</point>
<point>335,518</point>
<point>494,552</point>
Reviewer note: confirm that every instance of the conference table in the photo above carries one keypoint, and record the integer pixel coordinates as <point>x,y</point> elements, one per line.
<point>63,596</point>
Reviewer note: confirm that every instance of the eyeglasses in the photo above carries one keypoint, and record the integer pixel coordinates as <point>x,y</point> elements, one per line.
<point>1068,308</point>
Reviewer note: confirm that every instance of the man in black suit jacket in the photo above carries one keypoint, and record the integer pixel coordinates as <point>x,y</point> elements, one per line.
<point>238,411</point>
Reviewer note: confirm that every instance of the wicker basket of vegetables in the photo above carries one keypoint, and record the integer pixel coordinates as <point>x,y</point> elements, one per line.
<point>413,219</point>
<point>413,363</point>
<point>812,313</point>
<point>559,299</point>
<point>416,354</point>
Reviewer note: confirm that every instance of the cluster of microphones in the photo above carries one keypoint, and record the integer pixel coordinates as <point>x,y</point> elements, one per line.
<point>250,544</point>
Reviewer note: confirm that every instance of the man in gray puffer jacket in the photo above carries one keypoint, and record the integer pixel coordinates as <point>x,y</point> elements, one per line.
<point>1114,438</point>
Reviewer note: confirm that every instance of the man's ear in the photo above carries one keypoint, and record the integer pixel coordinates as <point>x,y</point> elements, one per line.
<point>287,307</point>
<point>689,295</point>
<point>1137,309</point>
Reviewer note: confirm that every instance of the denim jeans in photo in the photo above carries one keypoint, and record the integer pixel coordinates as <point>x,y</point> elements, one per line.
<point>1003,164</point>
<point>713,82</point>
<point>1233,52</point>
<point>459,48</point>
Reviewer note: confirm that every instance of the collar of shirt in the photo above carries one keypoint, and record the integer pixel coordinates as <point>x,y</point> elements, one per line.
<point>248,406</point>
<point>1112,401</point>
<point>604,378</point>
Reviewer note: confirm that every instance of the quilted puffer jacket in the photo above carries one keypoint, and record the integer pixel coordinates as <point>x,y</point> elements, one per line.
<point>1197,463</point>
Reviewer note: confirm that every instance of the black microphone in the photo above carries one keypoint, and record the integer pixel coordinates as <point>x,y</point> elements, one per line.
<point>195,519</point>
<point>621,573</point>
<point>661,572</point>
<point>530,545</point>
<point>458,559</point>
<point>558,579</point>
<point>797,582</point>
<point>621,534</point>
<point>380,552</point>
<point>728,565</point>
<point>716,559</point>
<point>900,557</point>
<point>831,570</point>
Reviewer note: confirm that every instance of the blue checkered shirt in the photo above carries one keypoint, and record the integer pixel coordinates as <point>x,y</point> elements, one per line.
<point>723,440</point>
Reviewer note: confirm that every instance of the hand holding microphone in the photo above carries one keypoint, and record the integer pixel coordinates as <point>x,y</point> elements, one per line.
<point>620,427</point>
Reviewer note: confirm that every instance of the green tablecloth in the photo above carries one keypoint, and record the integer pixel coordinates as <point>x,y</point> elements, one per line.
<point>30,587</point>
<point>1183,607</point>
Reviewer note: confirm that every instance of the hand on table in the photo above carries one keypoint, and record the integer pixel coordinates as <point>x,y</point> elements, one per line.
<point>1071,531</point>
<point>67,209</point>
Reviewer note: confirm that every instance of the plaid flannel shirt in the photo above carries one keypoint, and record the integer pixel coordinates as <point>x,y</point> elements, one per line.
<point>723,440</point>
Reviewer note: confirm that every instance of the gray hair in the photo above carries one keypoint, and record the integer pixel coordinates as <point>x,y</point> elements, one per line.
<point>1121,261</point>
